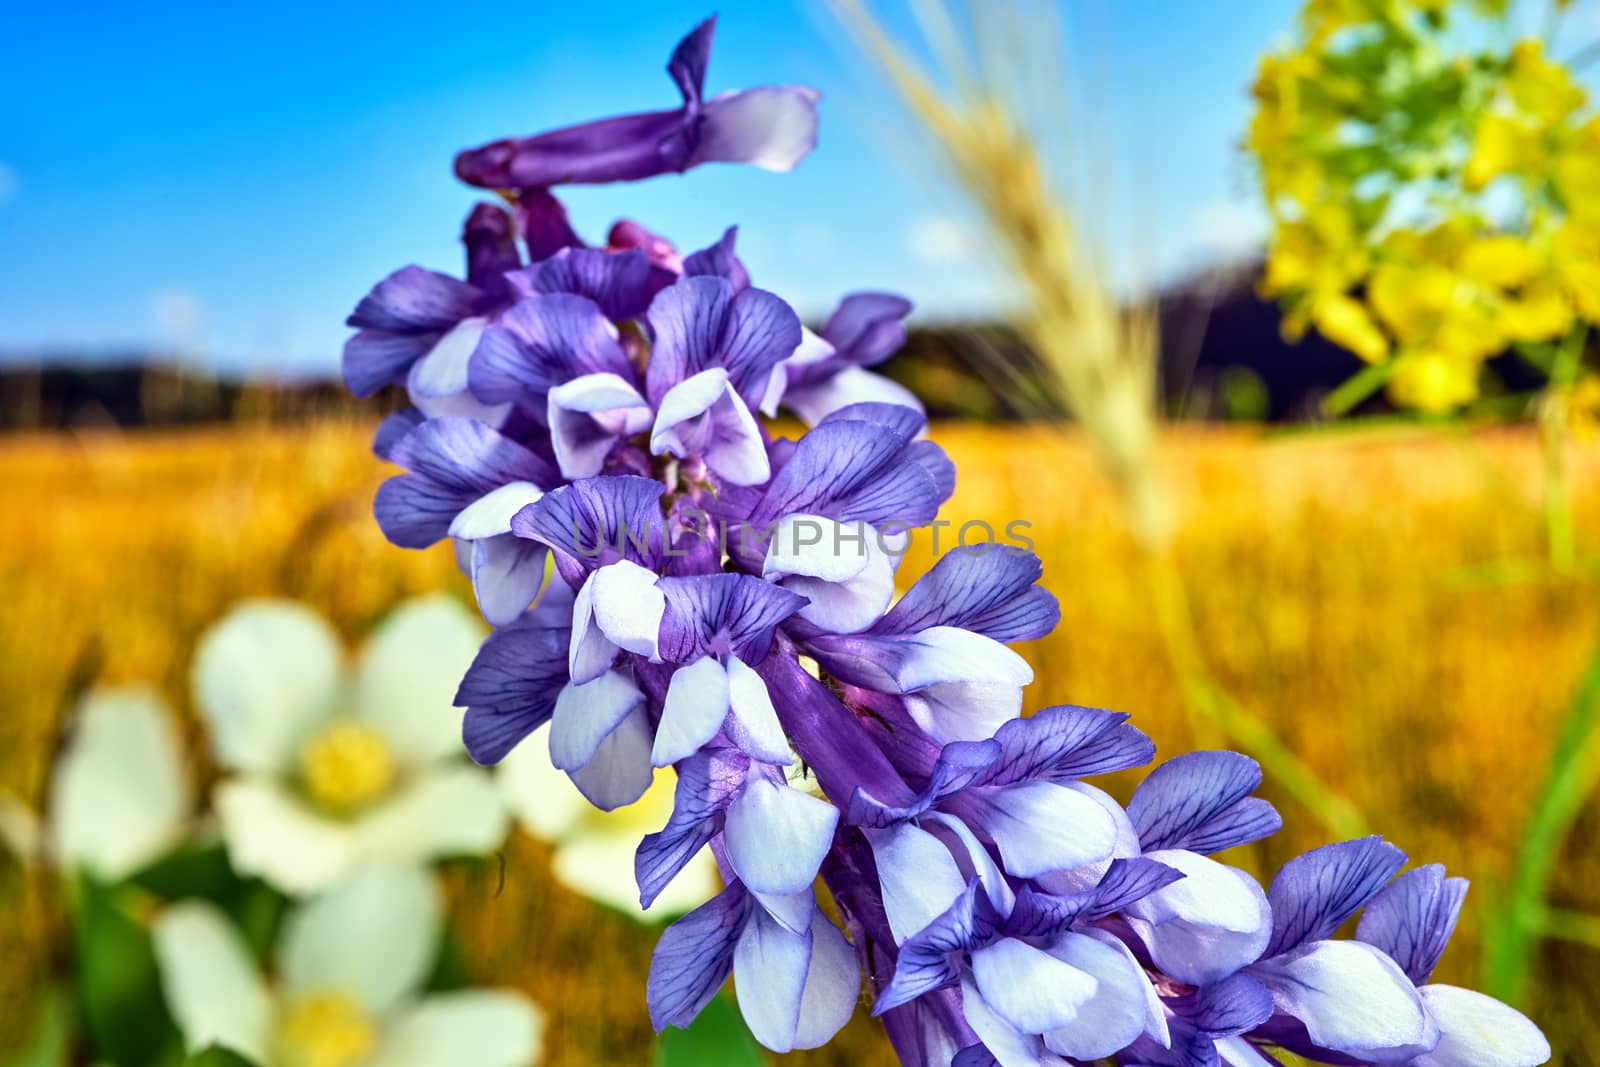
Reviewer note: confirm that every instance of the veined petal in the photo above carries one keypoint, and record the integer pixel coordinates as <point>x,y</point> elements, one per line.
<point>628,606</point>
<point>1352,999</point>
<point>120,792</point>
<point>587,415</point>
<point>620,770</point>
<point>585,715</point>
<point>265,676</point>
<point>483,1027</point>
<point>693,711</point>
<point>1412,919</point>
<point>1313,894</point>
<point>507,573</point>
<point>442,371</point>
<point>994,593</point>
<point>372,938</point>
<point>777,836</point>
<point>1041,827</point>
<point>694,957</point>
<point>1200,801</point>
<point>1479,1030</point>
<point>1123,1006</point>
<point>769,974</point>
<point>210,980</point>
<point>1029,988</point>
<point>491,513</point>
<point>917,875</point>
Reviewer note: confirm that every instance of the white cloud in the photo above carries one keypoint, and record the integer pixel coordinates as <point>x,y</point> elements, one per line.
<point>940,240</point>
<point>10,183</point>
<point>1227,230</point>
<point>178,313</point>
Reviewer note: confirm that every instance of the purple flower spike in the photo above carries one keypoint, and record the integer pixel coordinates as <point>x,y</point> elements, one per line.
<point>773,127</point>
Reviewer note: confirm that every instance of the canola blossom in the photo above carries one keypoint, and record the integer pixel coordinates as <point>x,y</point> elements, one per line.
<point>673,585</point>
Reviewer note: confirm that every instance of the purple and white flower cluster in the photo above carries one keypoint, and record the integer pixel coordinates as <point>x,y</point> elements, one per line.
<point>674,586</point>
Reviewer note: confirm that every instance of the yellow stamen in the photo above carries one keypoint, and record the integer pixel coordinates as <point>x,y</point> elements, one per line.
<point>324,1030</point>
<point>347,766</point>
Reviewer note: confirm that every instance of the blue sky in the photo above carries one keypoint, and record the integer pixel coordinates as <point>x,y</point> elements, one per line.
<point>229,179</point>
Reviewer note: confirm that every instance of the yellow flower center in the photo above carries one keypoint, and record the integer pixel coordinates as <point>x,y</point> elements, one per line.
<point>347,766</point>
<point>324,1030</point>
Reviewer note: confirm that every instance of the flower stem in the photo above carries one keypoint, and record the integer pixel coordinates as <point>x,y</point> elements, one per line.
<point>1574,767</point>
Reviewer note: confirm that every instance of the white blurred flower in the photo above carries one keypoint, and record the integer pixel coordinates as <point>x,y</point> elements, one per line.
<point>348,993</point>
<point>594,849</point>
<point>119,795</point>
<point>328,771</point>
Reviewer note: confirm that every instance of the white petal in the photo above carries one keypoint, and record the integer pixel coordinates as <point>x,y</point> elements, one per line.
<point>406,683</point>
<point>372,938</point>
<point>833,985</point>
<point>265,676</point>
<point>590,652</point>
<point>1352,998</point>
<point>1118,1012</point>
<point>628,606</point>
<point>599,864</point>
<point>1041,827</point>
<point>120,794</point>
<point>693,711</point>
<point>812,349</point>
<point>586,714</point>
<point>964,711</point>
<point>481,1027</point>
<point>777,836</point>
<point>1208,924</point>
<point>1480,1031</point>
<point>918,876</point>
<point>449,810</point>
<point>769,975</point>
<point>772,127</point>
<point>851,606</point>
<point>818,547</point>
<point>620,771</point>
<point>737,451</point>
<point>944,654</point>
<point>542,798</point>
<point>1009,1047</point>
<point>853,385</point>
<point>271,835</point>
<point>210,980</point>
<point>507,572</point>
<point>972,858</point>
<point>1029,988</point>
<point>580,434</point>
<point>491,514</point>
<point>687,400</point>
<point>762,735</point>
<point>442,372</point>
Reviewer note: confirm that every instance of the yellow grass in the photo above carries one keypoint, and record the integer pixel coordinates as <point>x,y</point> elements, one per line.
<point>1321,573</point>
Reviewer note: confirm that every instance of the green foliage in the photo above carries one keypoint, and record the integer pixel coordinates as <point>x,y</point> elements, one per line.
<point>718,1036</point>
<point>217,1056</point>
<point>118,982</point>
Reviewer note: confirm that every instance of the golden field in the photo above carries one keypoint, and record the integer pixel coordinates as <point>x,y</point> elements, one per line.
<point>1329,579</point>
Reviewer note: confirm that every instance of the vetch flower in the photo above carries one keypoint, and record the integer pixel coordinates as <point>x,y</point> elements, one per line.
<point>772,127</point>
<point>828,371</point>
<point>348,984</point>
<point>325,771</point>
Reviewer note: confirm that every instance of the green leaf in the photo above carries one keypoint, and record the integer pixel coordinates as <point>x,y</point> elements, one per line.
<point>718,1036</point>
<point>217,1056</point>
<point>202,871</point>
<point>118,983</point>
<point>49,1043</point>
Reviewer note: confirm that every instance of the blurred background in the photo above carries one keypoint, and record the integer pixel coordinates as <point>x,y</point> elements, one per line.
<point>1397,581</point>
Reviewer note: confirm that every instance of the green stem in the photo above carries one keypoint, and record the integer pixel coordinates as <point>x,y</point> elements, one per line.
<point>1553,441</point>
<point>1358,387</point>
<point>1574,926</point>
<point>1570,778</point>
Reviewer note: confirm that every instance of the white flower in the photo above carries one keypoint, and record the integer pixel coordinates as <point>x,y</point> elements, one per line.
<point>119,796</point>
<point>594,849</point>
<point>348,989</point>
<point>329,772</point>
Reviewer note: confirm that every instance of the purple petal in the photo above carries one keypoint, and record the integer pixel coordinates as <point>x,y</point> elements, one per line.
<point>540,342</point>
<point>1213,921</point>
<point>491,240</point>
<point>1064,743</point>
<point>624,148</point>
<point>1313,894</point>
<point>687,66</point>
<point>719,614</point>
<point>510,689</point>
<point>960,763</point>
<point>773,127</point>
<point>694,957</point>
<point>543,223</point>
<point>415,300</point>
<point>701,323</point>
<point>453,461</point>
<point>506,575</point>
<point>707,783</point>
<point>1123,1006</point>
<point>394,426</point>
<point>993,592</point>
<point>927,959</point>
<point>868,328</point>
<point>1412,919</point>
<point>1201,801</point>
<point>375,358</point>
<point>719,261</point>
<point>1235,1005</point>
<point>617,282</point>
<point>597,521</point>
